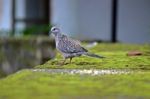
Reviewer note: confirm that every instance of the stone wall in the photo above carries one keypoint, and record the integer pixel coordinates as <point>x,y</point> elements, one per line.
<point>18,53</point>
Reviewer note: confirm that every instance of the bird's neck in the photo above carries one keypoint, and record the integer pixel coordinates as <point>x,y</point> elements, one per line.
<point>59,35</point>
<point>57,38</point>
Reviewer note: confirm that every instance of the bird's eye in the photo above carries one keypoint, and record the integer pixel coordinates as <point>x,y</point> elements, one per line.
<point>54,29</point>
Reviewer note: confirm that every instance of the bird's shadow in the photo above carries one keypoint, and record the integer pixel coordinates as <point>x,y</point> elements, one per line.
<point>84,63</point>
<point>58,63</point>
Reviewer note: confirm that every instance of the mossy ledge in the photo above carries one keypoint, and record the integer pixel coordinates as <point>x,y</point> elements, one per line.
<point>28,84</point>
<point>116,58</point>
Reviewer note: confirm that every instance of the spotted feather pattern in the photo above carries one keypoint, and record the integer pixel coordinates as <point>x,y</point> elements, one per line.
<point>69,45</point>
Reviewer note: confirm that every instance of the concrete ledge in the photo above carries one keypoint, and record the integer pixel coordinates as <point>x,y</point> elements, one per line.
<point>18,53</point>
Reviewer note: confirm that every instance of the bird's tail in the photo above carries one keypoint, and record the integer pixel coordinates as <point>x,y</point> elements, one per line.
<point>93,55</point>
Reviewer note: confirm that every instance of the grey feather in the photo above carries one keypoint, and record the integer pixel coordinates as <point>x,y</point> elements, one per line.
<point>68,45</point>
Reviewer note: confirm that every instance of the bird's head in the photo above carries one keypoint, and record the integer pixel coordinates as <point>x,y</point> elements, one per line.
<point>55,30</point>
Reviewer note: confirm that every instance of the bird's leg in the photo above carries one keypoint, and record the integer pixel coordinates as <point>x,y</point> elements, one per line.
<point>70,59</point>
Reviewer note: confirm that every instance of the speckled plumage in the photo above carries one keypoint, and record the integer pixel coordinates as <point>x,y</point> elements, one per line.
<point>69,47</point>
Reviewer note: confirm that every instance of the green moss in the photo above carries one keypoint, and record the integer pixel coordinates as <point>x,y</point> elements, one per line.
<point>116,58</point>
<point>37,85</point>
<point>28,84</point>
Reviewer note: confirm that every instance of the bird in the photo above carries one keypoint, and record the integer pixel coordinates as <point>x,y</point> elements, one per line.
<point>69,47</point>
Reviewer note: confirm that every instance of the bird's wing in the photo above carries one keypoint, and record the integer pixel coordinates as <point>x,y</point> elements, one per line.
<point>69,45</point>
